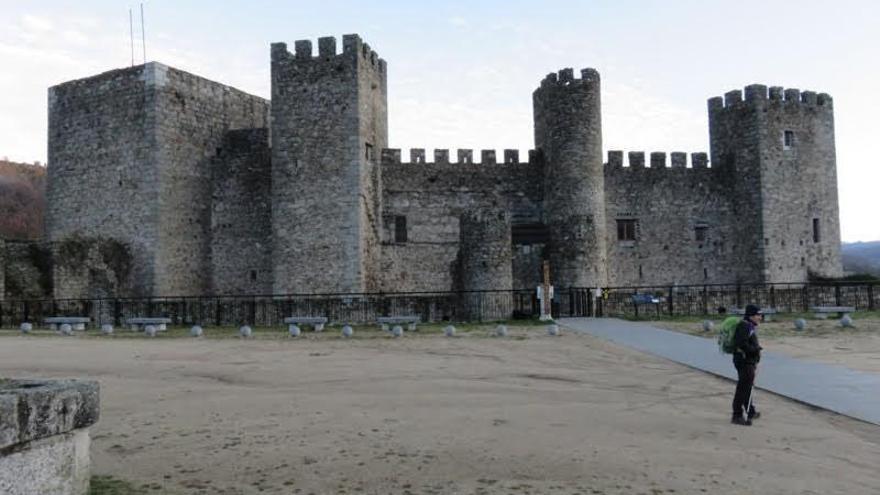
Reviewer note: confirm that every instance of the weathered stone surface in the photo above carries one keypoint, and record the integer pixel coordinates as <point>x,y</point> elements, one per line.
<point>205,193</point>
<point>35,409</point>
<point>57,465</point>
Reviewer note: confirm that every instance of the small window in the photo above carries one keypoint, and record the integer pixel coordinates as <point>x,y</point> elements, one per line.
<point>788,140</point>
<point>641,274</point>
<point>816,233</point>
<point>368,151</point>
<point>400,229</point>
<point>253,275</point>
<point>626,230</point>
<point>705,273</point>
<point>700,233</point>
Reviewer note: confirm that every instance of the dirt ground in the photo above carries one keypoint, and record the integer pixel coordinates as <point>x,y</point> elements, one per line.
<point>856,347</point>
<point>526,414</point>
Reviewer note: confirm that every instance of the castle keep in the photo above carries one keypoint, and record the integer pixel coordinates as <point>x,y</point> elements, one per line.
<point>170,184</point>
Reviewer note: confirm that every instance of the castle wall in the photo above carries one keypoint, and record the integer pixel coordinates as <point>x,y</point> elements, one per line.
<point>800,184</point>
<point>193,117</point>
<point>782,188</point>
<point>103,174</point>
<point>241,215</point>
<point>130,154</point>
<point>432,197</point>
<point>669,205</point>
<point>568,134</point>
<point>328,124</point>
<point>90,267</point>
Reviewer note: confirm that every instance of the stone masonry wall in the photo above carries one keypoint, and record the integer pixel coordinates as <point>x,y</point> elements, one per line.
<point>568,135</point>
<point>139,141</point>
<point>328,124</point>
<point>669,205</point>
<point>103,177</point>
<point>193,117</point>
<point>433,196</point>
<point>241,217</point>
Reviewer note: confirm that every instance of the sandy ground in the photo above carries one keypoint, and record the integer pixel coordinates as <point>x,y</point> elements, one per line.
<point>857,347</point>
<point>432,415</point>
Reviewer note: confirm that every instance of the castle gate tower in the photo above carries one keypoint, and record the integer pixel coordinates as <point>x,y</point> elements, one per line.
<point>776,152</point>
<point>329,123</point>
<point>568,133</point>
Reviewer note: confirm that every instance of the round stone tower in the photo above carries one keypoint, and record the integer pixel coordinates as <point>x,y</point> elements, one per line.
<point>568,135</point>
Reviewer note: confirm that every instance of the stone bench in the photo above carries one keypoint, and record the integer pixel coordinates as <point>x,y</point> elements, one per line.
<point>44,435</point>
<point>139,323</point>
<point>767,313</point>
<point>822,312</point>
<point>76,322</point>
<point>317,322</point>
<point>411,321</point>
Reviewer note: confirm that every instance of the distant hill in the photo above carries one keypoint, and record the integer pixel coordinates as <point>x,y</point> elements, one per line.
<point>861,257</point>
<point>22,200</point>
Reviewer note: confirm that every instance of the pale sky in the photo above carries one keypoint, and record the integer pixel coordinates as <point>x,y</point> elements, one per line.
<point>461,73</point>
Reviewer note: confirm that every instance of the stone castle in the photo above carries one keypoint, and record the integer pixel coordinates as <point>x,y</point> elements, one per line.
<point>165,183</point>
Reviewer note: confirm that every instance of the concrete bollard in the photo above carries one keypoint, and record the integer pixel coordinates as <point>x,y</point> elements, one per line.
<point>501,331</point>
<point>708,325</point>
<point>107,329</point>
<point>800,324</point>
<point>245,331</point>
<point>26,327</point>
<point>294,330</point>
<point>553,330</point>
<point>150,331</point>
<point>347,331</point>
<point>397,331</point>
<point>195,331</point>
<point>66,329</point>
<point>449,331</point>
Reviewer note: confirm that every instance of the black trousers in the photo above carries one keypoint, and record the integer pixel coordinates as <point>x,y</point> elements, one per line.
<point>742,403</point>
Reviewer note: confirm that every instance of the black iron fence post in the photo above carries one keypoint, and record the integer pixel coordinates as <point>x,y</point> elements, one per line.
<point>837,294</point>
<point>739,296</point>
<point>670,302</point>
<point>870,298</point>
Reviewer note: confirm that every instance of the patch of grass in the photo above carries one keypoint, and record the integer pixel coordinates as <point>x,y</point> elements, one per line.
<point>108,485</point>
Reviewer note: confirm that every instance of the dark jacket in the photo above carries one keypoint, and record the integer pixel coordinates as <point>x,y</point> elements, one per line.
<point>748,350</point>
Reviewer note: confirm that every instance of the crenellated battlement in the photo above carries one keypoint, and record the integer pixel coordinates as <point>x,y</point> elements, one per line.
<point>566,77</point>
<point>352,46</point>
<point>678,159</point>
<point>759,94</point>
<point>464,156</point>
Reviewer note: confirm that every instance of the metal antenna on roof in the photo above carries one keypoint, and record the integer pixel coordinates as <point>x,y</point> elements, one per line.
<point>131,35</point>
<point>143,34</point>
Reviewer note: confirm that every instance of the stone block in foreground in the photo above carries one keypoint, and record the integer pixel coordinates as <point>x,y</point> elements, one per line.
<point>44,435</point>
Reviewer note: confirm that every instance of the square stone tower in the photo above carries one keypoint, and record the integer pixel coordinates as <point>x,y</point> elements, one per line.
<point>775,150</point>
<point>329,122</point>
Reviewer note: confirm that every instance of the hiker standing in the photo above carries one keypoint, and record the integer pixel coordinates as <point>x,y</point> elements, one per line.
<point>745,359</point>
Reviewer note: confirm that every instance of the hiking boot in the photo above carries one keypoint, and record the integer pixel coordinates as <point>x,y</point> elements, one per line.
<point>739,420</point>
<point>754,415</point>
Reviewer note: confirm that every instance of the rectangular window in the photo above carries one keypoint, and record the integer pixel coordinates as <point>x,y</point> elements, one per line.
<point>400,229</point>
<point>816,234</point>
<point>368,151</point>
<point>700,232</point>
<point>788,140</point>
<point>626,230</point>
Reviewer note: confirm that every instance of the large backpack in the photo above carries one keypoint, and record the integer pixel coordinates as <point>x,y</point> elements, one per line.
<point>726,334</point>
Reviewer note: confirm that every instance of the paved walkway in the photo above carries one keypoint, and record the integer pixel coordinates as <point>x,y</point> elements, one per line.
<point>842,390</point>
